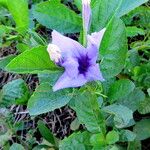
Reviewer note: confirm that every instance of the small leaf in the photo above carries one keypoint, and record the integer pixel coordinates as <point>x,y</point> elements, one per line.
<point>142,129</point>
<point>18,96</point>
<point>122,114</point>
<point>76,141</point>
<point>134,31</point>
<point>32,61</point>
<point>112,137</point>
<point>44,99</point>
<point>45,132</point>
<point>20,13</point>
<point>98,140</point>
<point>120,89</point>
<point>5,61</point>
<point>75,124</point>
<point>16,146</point>
<point>127,136</point>
<point>144,107</point>
<point>55,15</point>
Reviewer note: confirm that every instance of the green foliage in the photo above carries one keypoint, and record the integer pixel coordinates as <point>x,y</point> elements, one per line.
<point>15,92</point>
<point>142,129</point>
<point>127,136</point>
<point>144,107</point>
<point>16,146</point>
<point>56,16</point>
<point>134,31</point>
<point>76,141</point>
<point>31,61</point>
<point>44,99</point>
<point>120,89</point>
<point>20,13</point>
<point>122,115</point>
<point>113,49</point>
<point>88,112</point>
<point>112,137</point>
<point>46,133</point>
<point>5,60</point>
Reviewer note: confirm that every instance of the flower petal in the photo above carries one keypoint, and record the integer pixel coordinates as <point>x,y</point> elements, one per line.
<point>66,82</point>
<point>96,38</point>
<point>92,54</point>
<point>71,67</point>
<point>94,73</point>
<point>67,46</point>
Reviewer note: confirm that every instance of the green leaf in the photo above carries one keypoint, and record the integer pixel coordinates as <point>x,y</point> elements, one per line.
<point>21,47</point>
<point>132,100</point>
<point>56,16</point>
<point>142,129</point>
<point>76,141</point>
<point>18,96</point>
<point>5,61</point>
<point>127,136</point>
<point>44,99</point>
<point>45,132</point>
<point>112,137</point>
<point>103,11</point>
<point>88,112</point>
<point>98,140</point>
<point>33,61</point>
<point>122,115</point>
<point>113,49</point>
<point>135,145</point>
<point>144,107</point>
<point>16,146</point>
<point>20,13</point>
<point>120,89</point>
<point>134,31</point>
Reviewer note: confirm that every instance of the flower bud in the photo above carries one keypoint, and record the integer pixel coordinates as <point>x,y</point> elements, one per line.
<point>54,52</point>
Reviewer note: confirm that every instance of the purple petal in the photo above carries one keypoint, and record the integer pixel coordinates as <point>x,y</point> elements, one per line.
<point>96,38</point>
<point>67,46</point>
<point>94,73</point>
<point>86,13</point>
<point>92,53</point>
<point>71,67</point>
<point>66,82</point>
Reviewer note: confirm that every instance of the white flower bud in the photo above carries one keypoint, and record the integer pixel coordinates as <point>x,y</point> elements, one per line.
<point>54,52</point>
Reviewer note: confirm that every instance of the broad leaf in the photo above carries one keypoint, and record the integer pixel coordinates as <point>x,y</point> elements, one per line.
<point>20,13</point>
<point>16,146</point>
<point>113,49</point>
<point>33,61</point>
<point>76,141</point>
<point>120,89</point>
<point>18,96</point>
<point>142,129</point>
<point>122,115</point>
<point>104,10</point>
<point>56,16</point>
<point>44,99</point>
<point>132,100</point>
<point>88,112</point>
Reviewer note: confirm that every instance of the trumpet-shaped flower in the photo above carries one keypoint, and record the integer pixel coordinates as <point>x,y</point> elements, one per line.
<point>80,62</point>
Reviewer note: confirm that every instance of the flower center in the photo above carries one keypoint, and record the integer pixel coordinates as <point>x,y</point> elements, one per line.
<point>84,64</point>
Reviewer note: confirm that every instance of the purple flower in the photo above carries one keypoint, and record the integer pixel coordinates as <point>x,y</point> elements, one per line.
<point>79,62</point>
